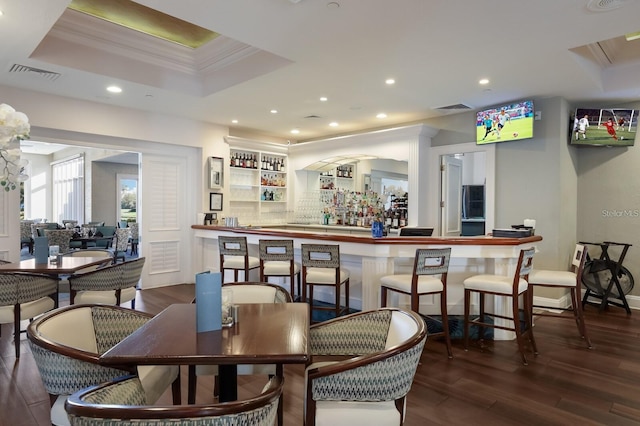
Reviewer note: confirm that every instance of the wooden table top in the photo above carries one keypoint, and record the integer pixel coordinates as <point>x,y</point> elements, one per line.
<point>270,333</point>
<point>69,265</point>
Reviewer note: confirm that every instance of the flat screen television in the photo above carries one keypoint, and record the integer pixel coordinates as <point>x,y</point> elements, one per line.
<point>510,122</point>
<point>603,127</point>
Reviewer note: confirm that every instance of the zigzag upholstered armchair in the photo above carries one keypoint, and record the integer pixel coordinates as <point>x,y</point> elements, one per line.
<point>380,352</point>
<point>122,402</point>
<point>67,343</point>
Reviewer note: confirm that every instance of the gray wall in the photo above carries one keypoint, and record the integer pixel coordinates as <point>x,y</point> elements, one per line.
<point>609,197</point>
<point>104,187</point>
<point>574,193</point>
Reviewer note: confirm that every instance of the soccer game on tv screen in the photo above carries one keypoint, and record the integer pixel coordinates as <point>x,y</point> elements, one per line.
<point>505,123</point>
<point>604,126</point>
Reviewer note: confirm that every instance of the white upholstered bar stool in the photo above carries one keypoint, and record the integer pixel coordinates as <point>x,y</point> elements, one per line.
<point>429,276</point>
<point>505,286</point>
<point>571,280</point>
<point>276,260</point>
<point>321,267</point>
<point>234,255</point>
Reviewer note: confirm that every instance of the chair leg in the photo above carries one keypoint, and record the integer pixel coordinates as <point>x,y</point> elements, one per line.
<point>445,322</point>
<point>337,307</point>
<point>383,297</point>
<point>467,324</point>
<point>192,385</point>
<point>175,391</point>
<point>346,295</point>
<point>16,329</point>
<point>577,308</point>
<point>310,287</point>
<point>517,328</point>
<point>528,317</point>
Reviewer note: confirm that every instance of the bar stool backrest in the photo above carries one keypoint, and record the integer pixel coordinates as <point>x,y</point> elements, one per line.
<point>276,250</point>
<point>232,246</point>
<point>320,256</point>
<point>432,261</point>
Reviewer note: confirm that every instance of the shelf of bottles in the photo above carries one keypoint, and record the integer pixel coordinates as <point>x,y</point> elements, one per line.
<point>258,183</point>
<point>351,208</point>
<point>397,214</point>
<point>273,179</point>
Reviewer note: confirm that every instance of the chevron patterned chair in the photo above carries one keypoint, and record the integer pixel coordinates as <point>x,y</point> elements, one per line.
<point>380,352</point>
<point>125,399</point>
<point>114,284</point>
<point>24,296</point>
<point>67,342</point>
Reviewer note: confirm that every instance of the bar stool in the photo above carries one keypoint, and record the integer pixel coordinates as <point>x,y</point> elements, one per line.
<point>321,267</point>
<point>504,286</point>
<point>571,280</point>
<point>276,260</point>
<point>234,256</point>
<point>428,264</point>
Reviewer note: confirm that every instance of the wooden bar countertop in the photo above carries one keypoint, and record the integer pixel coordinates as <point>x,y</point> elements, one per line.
<point>483,240</point>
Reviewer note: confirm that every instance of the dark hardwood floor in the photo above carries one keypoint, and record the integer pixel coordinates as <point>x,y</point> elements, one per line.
<point>567,384</point>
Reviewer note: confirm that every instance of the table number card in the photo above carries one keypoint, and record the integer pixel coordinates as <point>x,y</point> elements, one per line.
<point>208,301</point>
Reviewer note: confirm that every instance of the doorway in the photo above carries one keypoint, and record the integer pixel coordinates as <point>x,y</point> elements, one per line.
<point>127,198</point>
<point>437,197</point>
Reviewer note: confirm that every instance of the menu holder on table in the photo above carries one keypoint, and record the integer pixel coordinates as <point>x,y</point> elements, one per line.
<point>208,301</point>
<point>41,249</point>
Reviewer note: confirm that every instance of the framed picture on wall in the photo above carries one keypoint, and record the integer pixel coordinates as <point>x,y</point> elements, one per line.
<point>215,172</point>
<point>215,201</point>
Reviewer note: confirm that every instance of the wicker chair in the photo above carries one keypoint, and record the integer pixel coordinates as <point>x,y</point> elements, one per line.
<point>114,284</point>
<point>60,238</point>
<point>381,351</point>
<point>126,400</point>
<point>26,235</point>
<point>24,296</point>
<point>68,361</point>
<point>121,243</point>
<point>243,292</point>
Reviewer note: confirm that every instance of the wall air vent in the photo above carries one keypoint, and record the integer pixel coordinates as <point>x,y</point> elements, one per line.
<point>49,75</point>
<point>454,107</point>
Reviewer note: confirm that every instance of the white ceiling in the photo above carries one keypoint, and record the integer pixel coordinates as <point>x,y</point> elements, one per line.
<point>286,54</point>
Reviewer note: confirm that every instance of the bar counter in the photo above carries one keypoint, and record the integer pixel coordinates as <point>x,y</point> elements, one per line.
<point>368,258</point>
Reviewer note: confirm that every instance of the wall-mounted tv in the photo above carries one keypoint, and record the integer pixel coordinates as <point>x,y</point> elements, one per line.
<point>603,126</point>
<point>510,122</point>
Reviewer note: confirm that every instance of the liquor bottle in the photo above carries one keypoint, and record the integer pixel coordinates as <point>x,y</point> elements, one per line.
<point>282,168</point>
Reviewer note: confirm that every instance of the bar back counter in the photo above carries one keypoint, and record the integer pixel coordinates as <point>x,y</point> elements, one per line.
<point>368,259</point>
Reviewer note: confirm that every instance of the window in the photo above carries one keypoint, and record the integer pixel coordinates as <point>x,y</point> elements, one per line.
<point>68,189</point>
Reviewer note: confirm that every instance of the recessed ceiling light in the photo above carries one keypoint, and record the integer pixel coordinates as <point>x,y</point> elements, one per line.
<point>381,115</point>
<point>1,13</point>
<point>484,81</point>
<point>274,111</point>
<point>390,81</point>
<point>323,99</point>
<point>334,124</point>
<point>333,5</point>
<point>234,121</point>
<point>114,89</point>
<point>295,131</point>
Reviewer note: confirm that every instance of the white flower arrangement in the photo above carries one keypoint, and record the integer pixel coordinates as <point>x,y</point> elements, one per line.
<point>14,127</point>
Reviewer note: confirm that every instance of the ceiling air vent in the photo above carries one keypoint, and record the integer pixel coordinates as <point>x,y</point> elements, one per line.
<point>605,5</point>
<point>454,107</point>
<point>312,116</point>
<point>49,75</point>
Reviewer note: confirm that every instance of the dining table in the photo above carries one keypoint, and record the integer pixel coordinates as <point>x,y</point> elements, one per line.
<point>64,265</point>
<point>263,333</point>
